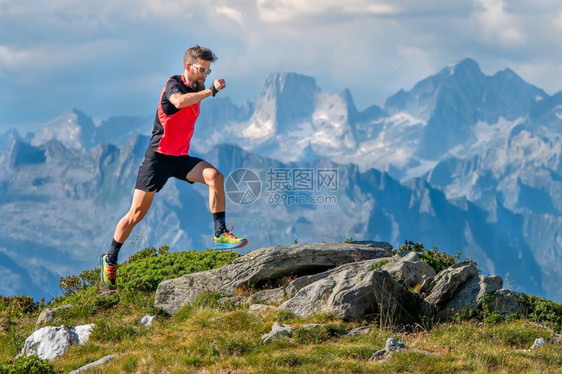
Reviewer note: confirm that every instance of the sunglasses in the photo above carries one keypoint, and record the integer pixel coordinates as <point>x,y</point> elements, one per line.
<point>201,69</point>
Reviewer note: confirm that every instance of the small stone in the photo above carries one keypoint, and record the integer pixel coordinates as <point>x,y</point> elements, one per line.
<point>379,355</point>
<point>538,343</point>
<point>147,320</point>
<point>48,315</point>
<point>255,308</point>
<point>393,345</point>
<point>364,330</point>
<point>311,326</point>
<point>278,330</point>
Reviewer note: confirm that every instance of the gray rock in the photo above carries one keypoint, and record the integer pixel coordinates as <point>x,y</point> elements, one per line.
<point>301,282</point>
<point>311,326</point>
<point>48,315</point>
<point>147,320</point>
<point>256,308</point>
<point>278,330</point>
<point>50,342</point>
<point>507,303</point>
<point>379,355</point>
<point>556,339</point>
<point>352,291</point>
<point>467,299</point>
<point>447,282</point>
<point>427,286</point>
<point>364,330</point>
<point>95,364</point>
<point>271,297</point>
<point>262,266</point>
<point>408,269</point>
<point>538,342</point>
<point>392,345</point>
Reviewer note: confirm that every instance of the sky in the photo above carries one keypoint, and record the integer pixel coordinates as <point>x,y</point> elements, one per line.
<point>112,58</point>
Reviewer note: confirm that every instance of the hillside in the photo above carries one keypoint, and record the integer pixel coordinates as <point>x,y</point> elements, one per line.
<point>217,335</point>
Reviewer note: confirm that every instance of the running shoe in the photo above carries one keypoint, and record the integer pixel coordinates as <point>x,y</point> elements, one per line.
<point>108,273</point>
<point>228,241</point>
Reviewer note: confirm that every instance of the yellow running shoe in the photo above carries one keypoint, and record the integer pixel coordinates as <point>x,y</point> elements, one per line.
<point>228,241</point>
<point>108,273</point>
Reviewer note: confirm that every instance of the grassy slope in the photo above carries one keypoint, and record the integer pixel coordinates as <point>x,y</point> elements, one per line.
<point>206,337</point>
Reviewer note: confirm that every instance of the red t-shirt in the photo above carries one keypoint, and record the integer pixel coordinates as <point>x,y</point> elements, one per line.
<point>173,127</point>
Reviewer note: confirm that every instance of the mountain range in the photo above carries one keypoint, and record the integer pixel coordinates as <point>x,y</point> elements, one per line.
<point>463,161</point>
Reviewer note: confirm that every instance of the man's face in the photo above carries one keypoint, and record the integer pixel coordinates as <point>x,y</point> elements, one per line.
<point>195,77</point>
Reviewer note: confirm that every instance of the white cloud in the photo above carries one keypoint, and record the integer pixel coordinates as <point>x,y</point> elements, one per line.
<point>495,24</point>
<point>557,22</point>
<point>284,10</point>
<point>231,13</point>
<point>32,62</point>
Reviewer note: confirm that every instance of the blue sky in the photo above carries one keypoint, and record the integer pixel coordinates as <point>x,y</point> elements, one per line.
<point>111,58</point>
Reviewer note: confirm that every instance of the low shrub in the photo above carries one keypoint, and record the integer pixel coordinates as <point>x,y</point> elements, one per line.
<point>544,311</point>
<point>145,271</point>
<point>439,261</point>
<point>27,365</point>
<point>19,306</point>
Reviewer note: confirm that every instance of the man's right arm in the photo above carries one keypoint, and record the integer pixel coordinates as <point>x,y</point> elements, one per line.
<point>182,100</point>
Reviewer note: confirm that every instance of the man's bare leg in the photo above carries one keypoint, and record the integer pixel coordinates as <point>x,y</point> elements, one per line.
<point>206,173</point>
<point>139,207</point>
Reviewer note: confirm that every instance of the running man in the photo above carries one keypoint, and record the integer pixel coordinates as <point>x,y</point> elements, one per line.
<point>167,155</point>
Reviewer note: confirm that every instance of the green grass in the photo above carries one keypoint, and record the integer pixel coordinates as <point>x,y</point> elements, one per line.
<point>208,336</point>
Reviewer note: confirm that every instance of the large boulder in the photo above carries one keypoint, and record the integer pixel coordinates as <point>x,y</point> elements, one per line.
<point>467,299</point>
<point>446,283</point>
<point>50,342</point>
<point>353,291</point>
<point>265,266</point>
<point>407,268</point>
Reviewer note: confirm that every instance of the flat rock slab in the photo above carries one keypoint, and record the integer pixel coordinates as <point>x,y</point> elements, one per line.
<point>265,265</point>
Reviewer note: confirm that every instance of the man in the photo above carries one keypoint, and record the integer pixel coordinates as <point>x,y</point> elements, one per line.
<point>167,156</point>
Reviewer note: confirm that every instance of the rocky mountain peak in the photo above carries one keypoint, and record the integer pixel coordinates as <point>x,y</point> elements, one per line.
<point>73,129</point>
<point>285,98</point>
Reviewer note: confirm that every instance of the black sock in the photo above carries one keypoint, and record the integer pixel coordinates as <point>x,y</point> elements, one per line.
<point>113,252</point>
<point>220,223</point>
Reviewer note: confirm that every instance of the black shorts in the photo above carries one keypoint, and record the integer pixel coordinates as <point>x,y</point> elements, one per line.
<point>157,168</point>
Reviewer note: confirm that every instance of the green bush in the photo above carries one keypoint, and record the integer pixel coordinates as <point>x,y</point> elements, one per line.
<point>439,261</point>
<point>145,271</point>
<point>542,310</point>
<point>27,365</point>
<point>19,306</point>
<point>71,284</point>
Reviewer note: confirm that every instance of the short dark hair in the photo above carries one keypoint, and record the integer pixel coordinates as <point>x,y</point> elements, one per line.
<point>198,53</point>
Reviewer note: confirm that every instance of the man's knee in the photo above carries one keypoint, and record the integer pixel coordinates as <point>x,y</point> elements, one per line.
<point>213,177</point>
<point>136,215</point>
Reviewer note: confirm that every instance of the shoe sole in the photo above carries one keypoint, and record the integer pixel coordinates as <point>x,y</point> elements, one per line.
<point>226,246</point>
<point>111,288</point>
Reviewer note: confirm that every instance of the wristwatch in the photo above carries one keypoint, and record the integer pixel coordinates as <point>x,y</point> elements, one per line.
<point>214,90</point>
